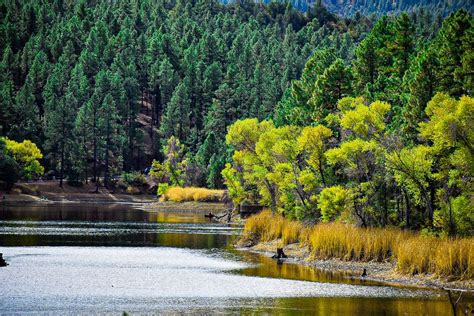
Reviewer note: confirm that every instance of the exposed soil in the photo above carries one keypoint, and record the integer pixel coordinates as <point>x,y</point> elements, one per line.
<point>50,192</point>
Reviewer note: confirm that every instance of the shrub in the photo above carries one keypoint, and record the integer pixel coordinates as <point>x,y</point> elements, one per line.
<point>134,178</point>
<point>178,194</point>
<point>133,190</point>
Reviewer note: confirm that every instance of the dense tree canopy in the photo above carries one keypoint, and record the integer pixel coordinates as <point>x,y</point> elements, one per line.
<point>320,117</point>
<point>73,72</point>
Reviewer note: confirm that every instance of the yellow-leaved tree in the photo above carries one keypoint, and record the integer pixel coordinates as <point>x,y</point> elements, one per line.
<point>26,154</point>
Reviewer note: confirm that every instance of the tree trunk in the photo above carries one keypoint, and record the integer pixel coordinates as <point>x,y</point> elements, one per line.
<point>407,214</point>
<point>130,143</point>
<point>61,171</point>
<point>87,178</point>
<point>94,128</point>
<point>321,171</point>
<point>273,197</point>
<point>271,189</point>
<point>107,145</point>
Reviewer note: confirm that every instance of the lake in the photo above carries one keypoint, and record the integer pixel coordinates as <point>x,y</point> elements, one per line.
<point>70,259</point>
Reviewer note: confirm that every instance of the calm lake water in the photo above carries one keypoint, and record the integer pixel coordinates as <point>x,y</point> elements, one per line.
<point>114,258</point>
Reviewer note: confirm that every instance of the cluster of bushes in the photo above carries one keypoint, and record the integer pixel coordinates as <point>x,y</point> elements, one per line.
<point>133,182</point>
<point>410,251</point>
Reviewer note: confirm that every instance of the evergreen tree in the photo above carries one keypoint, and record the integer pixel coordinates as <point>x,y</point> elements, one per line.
<point>454,46</point>
<point>331,86</point>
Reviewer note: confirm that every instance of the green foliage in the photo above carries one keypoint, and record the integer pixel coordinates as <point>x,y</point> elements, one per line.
<point>232,180</point>
<point>175,162</point>
<point>172,171</point>
<point>366,174</point>
<point>333,201</point>
<point>412,169</point>
<point>366,121</point>
<point>334,84</point>
<point>134,178</point>
<point>162,189</point>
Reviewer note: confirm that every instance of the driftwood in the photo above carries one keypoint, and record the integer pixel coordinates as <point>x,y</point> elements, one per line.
<point>227,213</point>
<point>3,263</point>
<point>455,302</point>
<point>280,254</point>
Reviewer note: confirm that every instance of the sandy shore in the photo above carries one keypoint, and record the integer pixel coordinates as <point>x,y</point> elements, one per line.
<point>376,271</point>
<point>203,207</point>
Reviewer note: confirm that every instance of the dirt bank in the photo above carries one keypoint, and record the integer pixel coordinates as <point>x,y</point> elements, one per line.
<point>376,271</point>
<point>50,192</point>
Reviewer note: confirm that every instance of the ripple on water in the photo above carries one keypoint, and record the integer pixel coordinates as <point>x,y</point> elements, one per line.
<point>154,272</point>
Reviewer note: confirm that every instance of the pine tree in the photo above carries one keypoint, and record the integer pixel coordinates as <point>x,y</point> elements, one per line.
<point>110,136</point>
<point>59,118</point>
<point>454,46</point>
<point>403,44</point>
<point>333,85</point>
<point>176,120</point>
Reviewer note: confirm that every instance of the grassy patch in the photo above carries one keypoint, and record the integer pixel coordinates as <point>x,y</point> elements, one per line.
<point>412,252</point>
<point>177,194</point>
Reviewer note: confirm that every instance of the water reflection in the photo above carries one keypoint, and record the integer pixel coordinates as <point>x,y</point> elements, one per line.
<point>270,268</point>
<point>110,225</point>
<point>125,226</point>
<point>95,213</point>
<point>350,306</point>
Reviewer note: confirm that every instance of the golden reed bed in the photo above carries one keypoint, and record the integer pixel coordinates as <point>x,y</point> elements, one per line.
<point>412,252</point>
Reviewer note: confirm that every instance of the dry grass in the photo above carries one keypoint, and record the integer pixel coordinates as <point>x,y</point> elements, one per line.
<point>447,257</point>
<point>267,227</point>
<point>177,194</point>
<point>412,252</point>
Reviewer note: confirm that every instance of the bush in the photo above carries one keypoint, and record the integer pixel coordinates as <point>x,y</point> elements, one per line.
<point>177,194</point>
<point>133,190</point>
<point>134,178</point>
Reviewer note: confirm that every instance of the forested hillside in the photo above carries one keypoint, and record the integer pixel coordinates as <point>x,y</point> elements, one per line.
<point>386,139</point>
<point>377,7</point>
<point>100,87</point>
<point>98,90</point>
<point>441,7</point>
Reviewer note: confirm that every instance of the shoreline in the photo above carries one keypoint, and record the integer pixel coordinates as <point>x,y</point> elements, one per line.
<point>146,202</point>
<point>189,206</point>
<point>383,272</point>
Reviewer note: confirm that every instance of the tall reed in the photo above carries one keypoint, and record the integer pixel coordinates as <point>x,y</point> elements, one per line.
<point>412,252</point>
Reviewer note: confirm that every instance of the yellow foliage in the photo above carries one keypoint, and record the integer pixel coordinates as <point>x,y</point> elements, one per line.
<point>178,194</point>
<point>26,154</point>
<point>132,190</point>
